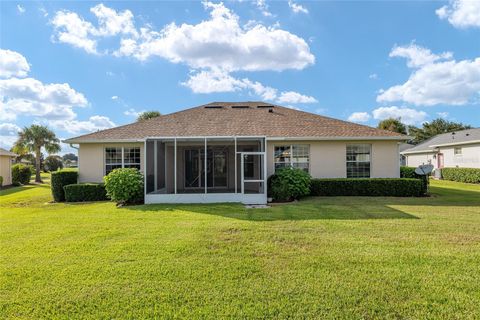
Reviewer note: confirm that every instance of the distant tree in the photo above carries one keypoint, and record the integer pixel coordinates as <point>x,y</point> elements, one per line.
<point>437,126</point>
<point>34,138</point>
<point>70,156</point>
<point>148,115</point>
<point>22,154</point>
<point>392,124</point>
<point>53,163</point>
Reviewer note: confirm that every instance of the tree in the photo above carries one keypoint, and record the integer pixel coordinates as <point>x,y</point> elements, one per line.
<point>70,156</point>
<point>437,126</point>
<point>148,115</point>
<point>34,138</point>
<point>53,163</point>
<point>392,124</point>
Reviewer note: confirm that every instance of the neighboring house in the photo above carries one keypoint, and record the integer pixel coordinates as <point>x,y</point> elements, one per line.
<point>6,158</point>
<point>224,152</point>
<point>401,148</point>
<point>453,149</point>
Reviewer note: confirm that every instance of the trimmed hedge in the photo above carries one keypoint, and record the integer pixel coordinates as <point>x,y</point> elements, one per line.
<point>59,180</point>
<point>85,192</point>
<point>408,172</point>
<point>21,174</point>
<point>467,175</point>
<point>373,187</point>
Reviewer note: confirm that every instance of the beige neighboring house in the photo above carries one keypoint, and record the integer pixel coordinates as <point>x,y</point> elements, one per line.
<point>6,159</point>
<point>455,149</point>
<point>224,151</point>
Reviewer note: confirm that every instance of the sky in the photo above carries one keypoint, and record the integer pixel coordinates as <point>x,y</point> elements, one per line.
<point>79,67</point>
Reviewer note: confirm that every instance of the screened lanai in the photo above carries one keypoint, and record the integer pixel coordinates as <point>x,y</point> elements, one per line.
<point>205,169</point>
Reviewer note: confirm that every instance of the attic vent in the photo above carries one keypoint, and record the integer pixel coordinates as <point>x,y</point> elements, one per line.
<point>240,107</point>
<point>213,107</point>
<point>265,107</point>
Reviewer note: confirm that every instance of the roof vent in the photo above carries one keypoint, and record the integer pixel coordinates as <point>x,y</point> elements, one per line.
<point>240,107</point>
<point>270,110</point>
<point>213,107</point>
<point>264,107</point>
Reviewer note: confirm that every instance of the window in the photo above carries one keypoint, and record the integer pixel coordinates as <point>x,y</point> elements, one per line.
<point>297,156</point>
<point>119,157</point>
<point>358,160</point>
<point>457,151</point>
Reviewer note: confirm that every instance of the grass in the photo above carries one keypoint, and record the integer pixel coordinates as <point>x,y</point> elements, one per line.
<point>339,257</point>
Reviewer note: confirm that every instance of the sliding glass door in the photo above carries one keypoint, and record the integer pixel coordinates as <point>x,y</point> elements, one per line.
<point>217,168</point>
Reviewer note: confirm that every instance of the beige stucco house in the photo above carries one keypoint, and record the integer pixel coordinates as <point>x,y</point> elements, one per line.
<point>449,150</point>
<point>6,158</point>
<point>224,151</point>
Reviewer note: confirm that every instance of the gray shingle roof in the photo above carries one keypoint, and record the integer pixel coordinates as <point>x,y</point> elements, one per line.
<point>4,152</point>
<point>238,119</point>
<point>451,138</point>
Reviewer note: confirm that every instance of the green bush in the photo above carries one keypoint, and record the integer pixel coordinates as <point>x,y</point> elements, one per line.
<point>467,175</point>
<point>1,181</point>
<point>85,192</point>
<point>125,186</point>
<point>408,172</point>
<point>288,184</point>
<point>53,163</point>
<point>59,180</point>
<point>391,187</point>
<point>21,174</point>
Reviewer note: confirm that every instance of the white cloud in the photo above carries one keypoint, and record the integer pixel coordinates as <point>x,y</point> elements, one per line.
<point>461,13</point>
<point>133,113</point>
<point>359,117</point>
<point>94,123</point>
<point>295,97</point>
<point>443,115</point>
<point>70,28</point>
<point>8,134</point>
<point>406,115</point>
<point>220,81</point>
<point>296,8</point>
<point>373,76</point>
<point>418,56</point>
<point>111,23</point>
<point>114,97</point>
<point>13,64</point>
<point>436,82</point>
<point>263,7</point>
<point>21,9</point>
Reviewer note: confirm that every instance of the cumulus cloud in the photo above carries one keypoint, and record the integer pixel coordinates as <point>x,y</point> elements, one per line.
<point>94,123</point>
<point>133,113</point>
<point>263,7</point>
<point>461,13</point>
<point>295,97</point>
<point>8,134</point>
<point>297,8</point>
<point>21,9</point>
<point>13,64</point>
<point>406,115</point>
<point>359,117</point>
<point>433,80</point>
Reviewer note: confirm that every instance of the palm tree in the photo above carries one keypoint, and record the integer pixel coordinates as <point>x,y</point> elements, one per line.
<point>148,115</point>
<point>34,138</point>
<point>392,124</point>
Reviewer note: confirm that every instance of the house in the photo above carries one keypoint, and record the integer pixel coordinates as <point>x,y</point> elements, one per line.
<point>401,148</point>
<point>6,158</point>
<point>224,151</point>
<point>453,149</point>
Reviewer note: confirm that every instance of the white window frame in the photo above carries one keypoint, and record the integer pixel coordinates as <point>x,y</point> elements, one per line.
<point>123,158</point>
<point>349,161</point>
<point>291,162</point>
<point>455,149</point>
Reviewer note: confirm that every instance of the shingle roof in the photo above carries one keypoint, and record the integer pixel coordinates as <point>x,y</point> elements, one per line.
<point>238,119</point>
<point>451,138</point>
<point>4,152</point>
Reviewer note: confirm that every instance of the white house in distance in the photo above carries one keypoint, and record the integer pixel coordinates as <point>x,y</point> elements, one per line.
<point>455,149</point>
<point>6,158</point>
<point>224,151</point>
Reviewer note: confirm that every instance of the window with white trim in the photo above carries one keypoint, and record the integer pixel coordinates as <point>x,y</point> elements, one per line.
<point>358,160</point>
<point>296,156</point>
<point>121,157</point>
<point>457,151</point>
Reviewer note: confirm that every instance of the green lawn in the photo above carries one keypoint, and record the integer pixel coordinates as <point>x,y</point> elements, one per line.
<point>339,257</point>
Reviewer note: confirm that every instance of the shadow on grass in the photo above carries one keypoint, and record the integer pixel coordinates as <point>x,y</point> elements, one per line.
<point>303,210</point>
<point>14,189</point>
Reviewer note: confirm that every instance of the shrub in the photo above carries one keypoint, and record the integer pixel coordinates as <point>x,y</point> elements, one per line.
<point>85,192</point>
<point>59,180</point>
<point>409,172</point>
<point>53,163</point>
<point>393,187</point>
<point>467,175</point>
<point>1,181</point>
<point>21,174</point>
<point>288,184</point>
<point>125,186</point>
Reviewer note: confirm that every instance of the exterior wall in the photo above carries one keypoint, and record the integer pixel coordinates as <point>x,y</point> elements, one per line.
<point>470,157</point>
<point>91,159</point>
<point>6,169</point>
<point>328,158</point>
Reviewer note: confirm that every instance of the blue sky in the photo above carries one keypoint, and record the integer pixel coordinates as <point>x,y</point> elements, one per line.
<point>83,66</point>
